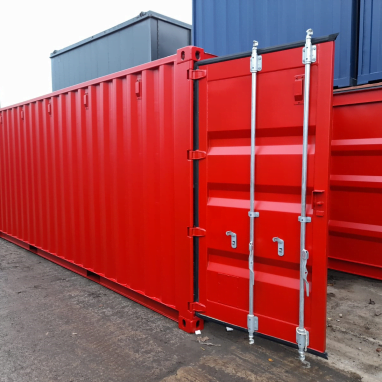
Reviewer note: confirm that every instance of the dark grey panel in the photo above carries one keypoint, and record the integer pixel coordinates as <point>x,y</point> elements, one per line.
<point>121,50</point>
<point>170,38</point>
<point>129,44</point>
<point>154,39</point>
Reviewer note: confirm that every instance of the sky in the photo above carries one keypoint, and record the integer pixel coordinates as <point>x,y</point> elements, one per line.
<point>32,29</point>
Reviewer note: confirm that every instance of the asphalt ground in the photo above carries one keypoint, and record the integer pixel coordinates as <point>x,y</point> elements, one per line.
<point>58,326</point>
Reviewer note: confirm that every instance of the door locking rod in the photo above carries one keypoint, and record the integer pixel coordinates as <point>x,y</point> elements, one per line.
<point>255,66</point>
<point>302,335</point>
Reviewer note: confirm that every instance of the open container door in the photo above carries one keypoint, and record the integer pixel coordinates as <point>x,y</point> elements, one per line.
<point>222,190</point>
<point>355,234</point>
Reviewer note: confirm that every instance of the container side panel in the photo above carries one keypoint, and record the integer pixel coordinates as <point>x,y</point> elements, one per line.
<point>97,178</point>
<point>355,227</point>
<point>167,181</point>
<point>225,27</point>
<point>151,176</point>
<point>136,239</point>
<point>370,42</point>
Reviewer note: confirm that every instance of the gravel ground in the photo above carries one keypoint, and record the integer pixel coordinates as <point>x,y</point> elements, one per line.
<point>58,326</point>
<point>354,333</point>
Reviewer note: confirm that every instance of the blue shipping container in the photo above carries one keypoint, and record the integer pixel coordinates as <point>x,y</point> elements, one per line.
<point>225,27</point>
<point>370,42</point>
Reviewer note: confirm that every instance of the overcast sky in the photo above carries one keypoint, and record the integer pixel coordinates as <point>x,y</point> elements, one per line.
<point>31,29</point>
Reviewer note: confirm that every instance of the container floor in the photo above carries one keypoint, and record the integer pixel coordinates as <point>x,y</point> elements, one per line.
<point>58,326</point>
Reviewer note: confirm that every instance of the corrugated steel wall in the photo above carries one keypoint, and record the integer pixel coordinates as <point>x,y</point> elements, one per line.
<point>98,175</point>
<point>225,27</point>
<point>355,227</point>
<point>370,42</point>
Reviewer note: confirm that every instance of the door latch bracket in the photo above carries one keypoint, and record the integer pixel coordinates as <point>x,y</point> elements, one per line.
<point>256,60</point>
<point>304,219</point>
<point>253,323</point>
<point>305,257</point>
<point>309,54</point>
<point>280,245</point>
<point>233,238</point>
<point>302,338</point>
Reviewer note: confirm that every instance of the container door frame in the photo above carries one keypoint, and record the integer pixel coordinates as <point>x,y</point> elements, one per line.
<point>324,121</point>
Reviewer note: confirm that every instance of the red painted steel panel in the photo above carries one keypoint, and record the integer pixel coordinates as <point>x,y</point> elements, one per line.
<point>96,178</point>
<point>224,122</point>
<point>355,226</point>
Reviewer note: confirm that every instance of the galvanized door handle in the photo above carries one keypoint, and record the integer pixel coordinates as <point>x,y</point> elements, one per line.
<point>305,257</point>
<point>280,245</point>
<point>233,238</point>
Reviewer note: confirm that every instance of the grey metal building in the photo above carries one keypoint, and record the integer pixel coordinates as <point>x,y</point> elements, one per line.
<point>145,38</point>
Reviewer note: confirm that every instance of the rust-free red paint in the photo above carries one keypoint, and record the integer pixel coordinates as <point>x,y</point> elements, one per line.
<point>96,178</point>
<point>99,178</point>
<point>224,129</point>
<point>355,227</point>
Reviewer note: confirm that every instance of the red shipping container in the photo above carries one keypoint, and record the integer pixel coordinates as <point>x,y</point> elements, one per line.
<point>114,180</point>
<point>355,227</point>
<point>96,178</point>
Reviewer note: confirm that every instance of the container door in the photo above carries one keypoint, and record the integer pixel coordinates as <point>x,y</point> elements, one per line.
<point>223,120</point>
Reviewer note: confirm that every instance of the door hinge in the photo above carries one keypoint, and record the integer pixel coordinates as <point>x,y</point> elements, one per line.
<point>196,74</point>
<point>196,307</point>
<point>196,231</point>
<point>197,154</point>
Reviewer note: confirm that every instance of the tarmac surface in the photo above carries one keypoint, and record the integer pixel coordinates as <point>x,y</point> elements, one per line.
<point>58,326</point>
